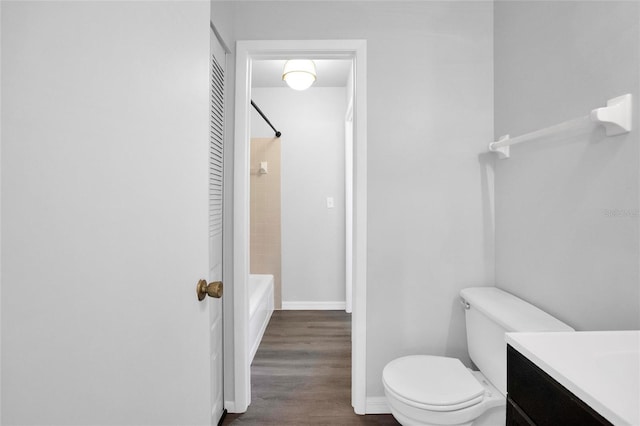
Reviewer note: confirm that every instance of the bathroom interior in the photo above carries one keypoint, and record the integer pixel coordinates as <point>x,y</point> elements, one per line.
<point>299,201</point>
<point>552,219</point>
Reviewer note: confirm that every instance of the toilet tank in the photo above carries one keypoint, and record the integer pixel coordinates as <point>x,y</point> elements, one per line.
<point>489,314</point>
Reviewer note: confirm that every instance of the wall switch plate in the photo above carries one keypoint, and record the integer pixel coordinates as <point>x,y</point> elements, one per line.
<point>329,202</point>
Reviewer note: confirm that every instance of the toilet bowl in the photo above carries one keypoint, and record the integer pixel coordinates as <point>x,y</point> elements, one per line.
<point>433,390</point>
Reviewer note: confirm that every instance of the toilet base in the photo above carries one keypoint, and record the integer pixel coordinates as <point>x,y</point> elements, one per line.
<point>492,417</point>
<point>495,416</point>
<point>492,411</point>
<point>406,421</point>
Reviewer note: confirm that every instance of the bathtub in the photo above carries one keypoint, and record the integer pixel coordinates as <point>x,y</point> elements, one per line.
<point>260,309</point>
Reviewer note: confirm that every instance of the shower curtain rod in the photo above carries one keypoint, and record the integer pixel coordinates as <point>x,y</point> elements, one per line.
<point>278,134</point>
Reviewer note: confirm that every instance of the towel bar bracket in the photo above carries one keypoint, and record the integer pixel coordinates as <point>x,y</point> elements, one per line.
<point>502,151</point>
<point>616,116</point>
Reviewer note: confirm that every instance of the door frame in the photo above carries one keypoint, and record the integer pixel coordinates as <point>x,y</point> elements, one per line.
<point>348,205</point>
<point>246,52</point>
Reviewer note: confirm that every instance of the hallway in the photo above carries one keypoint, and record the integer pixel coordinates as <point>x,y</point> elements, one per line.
<point>301,373</point>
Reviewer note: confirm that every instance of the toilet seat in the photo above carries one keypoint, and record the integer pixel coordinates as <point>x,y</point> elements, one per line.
<point>432,383</point>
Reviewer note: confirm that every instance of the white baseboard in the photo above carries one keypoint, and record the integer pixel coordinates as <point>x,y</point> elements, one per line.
<point>230,406</point>
<point>313,306</point>
<point>377,405</point>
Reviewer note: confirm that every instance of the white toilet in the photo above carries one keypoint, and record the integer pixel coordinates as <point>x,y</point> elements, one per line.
<point>435,390</point>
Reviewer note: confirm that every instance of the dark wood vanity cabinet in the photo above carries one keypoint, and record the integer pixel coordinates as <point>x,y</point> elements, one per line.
<point>535,398</point>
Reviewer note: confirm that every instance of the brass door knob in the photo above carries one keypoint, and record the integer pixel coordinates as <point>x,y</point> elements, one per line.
<point>213,289</point>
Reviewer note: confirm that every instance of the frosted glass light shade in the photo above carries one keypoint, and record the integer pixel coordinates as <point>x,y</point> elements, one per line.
<point>299,74</point>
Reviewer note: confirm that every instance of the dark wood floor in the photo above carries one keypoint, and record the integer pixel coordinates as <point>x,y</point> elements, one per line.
<point>301,374</point>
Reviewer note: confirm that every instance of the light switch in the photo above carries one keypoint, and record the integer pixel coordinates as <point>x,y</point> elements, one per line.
<point>329,202</point>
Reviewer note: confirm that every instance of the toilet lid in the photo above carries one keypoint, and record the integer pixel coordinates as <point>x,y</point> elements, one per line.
<point>434,381</point>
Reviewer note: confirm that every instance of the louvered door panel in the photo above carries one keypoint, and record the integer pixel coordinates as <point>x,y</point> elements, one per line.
<point>216,132</point>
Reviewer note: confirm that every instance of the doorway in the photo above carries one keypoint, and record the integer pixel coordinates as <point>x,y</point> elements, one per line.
<point>298,194</point>
<point>247,52</point>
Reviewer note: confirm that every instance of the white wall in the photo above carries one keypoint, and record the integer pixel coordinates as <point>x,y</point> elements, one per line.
<point>312,144</point>
<point>430,115</point>
<point>556,244</point>
<point>104,150</point>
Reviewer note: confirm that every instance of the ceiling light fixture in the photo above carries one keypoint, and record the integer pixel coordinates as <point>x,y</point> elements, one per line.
<point>299,74</point>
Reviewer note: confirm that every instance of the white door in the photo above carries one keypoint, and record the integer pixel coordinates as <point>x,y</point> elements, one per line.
<point>216,132</point>
<point>105,134</point>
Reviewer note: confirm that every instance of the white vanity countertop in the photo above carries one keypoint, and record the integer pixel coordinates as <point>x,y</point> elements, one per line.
<point>600,367</point>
